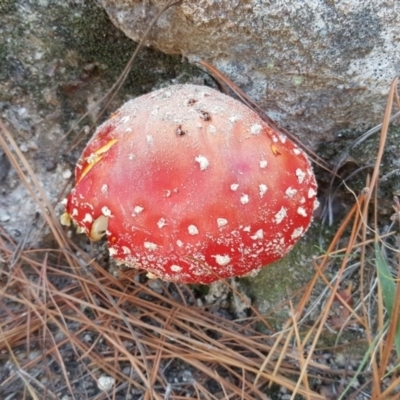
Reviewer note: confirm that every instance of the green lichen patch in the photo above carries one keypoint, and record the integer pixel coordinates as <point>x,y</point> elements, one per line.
<point>67,55</point>
<point>7,6</point>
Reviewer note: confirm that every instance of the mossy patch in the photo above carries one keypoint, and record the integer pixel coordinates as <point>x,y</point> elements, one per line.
<point>97,40</point>
<point>278,282</point>
<point>68,54</point>
<point>7,6</point>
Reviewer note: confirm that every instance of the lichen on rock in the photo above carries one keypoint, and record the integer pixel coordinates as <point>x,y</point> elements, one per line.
<point>315,66</point>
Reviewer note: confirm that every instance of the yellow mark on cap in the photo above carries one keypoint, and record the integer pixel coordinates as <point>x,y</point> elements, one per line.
<point>275,150</point>
<point>114,114</point>
<point>95,157</point>
<point>89,166</point>
<point>106,147</point>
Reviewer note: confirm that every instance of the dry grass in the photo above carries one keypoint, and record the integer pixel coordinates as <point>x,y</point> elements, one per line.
<point>67,324</point>
<point>65,321</point>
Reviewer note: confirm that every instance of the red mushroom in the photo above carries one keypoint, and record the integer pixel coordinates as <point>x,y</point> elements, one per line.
<point>192,186</point>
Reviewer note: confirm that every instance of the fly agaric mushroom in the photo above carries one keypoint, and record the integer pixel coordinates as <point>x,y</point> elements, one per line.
<point>192,186</point>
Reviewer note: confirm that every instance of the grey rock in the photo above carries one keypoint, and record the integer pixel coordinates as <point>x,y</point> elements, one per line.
<point>316,66</point>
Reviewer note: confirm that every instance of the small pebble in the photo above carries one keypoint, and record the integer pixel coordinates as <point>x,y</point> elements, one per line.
<point>24,148</point>
<point>4,217</point>
<point>105,383</point>
<point>67,174</point>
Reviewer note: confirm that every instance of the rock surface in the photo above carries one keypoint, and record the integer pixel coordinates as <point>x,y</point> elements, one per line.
<point>317,67</point>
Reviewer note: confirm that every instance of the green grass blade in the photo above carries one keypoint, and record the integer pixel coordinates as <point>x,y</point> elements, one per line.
<point>388,287</point>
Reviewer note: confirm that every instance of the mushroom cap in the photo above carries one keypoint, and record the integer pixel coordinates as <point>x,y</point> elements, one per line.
<point>192,186</point>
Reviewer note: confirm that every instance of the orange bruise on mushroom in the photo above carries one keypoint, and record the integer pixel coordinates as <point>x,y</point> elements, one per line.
<point>225,197</point>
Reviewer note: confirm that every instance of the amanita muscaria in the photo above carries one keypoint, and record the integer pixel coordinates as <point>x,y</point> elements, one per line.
<point>192,186</point>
